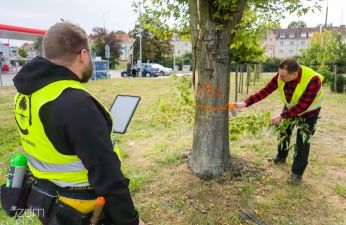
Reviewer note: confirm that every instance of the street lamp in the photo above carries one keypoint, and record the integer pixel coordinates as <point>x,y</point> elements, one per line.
<point>175,39</point>
<point>140,39</point>
<point>104,21</point>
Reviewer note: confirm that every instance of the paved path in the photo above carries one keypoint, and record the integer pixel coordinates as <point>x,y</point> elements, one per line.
<point>6,79</point>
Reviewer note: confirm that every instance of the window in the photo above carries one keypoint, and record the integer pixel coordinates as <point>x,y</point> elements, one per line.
<point>311,34</point>
<point>270,48</point>
<point>186,43</point>
<point>281,43</point>
<point>303,35</point>
<point>178,52</point>
<point>302,42</point>
<point>291,52</point>
<point>291,43</point>
<point>282,35</point>
<point>291,35</point>
<point>281,52</point>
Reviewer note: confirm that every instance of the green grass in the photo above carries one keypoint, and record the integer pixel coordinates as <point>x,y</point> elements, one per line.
<point>166,192</point>
<point>340,189</point>
<point>122,65</point>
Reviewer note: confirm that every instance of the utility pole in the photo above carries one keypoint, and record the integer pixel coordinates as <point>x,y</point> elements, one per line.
<point>104,21</point>
<point>140,39</point>
<point>174,43</point>
<point>326,21</point>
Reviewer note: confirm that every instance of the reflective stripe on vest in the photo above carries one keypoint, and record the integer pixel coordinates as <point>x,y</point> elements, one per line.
<point>307,75</point>
<point>45,162</point>
<point>50,167</point>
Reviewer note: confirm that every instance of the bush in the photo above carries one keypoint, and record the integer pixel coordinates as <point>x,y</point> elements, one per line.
<point>176,106</point>
<point>252,124</point>
<point>325,71</point>
<point>271,65</point>
<point>340,84</point>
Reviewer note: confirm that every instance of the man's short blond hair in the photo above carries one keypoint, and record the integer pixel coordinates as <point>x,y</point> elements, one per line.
<point>64,41</point>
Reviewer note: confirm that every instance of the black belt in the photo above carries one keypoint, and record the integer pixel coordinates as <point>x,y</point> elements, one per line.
<point>85,193</point>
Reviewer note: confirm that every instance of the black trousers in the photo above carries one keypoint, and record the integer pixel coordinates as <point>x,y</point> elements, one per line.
<point>302,148</point>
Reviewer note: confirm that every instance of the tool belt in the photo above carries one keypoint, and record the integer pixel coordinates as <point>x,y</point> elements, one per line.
<point>66,206</point>
<point>14,201</point>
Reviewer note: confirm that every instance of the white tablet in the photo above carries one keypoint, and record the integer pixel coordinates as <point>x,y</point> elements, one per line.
<point>122,110</point>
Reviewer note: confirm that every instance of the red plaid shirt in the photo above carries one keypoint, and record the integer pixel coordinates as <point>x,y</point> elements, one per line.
<point>304,102</point>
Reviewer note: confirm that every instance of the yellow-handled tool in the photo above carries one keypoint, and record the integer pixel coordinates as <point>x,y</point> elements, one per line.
<point>100,203</point>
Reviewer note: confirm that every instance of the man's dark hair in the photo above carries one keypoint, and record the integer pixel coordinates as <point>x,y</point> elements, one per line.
<point>64,41</point>
<point>291,65</point>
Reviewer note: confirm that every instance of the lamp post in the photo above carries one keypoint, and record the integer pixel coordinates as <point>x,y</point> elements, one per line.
<point>104,21</point>
<point>174,43</point>
<point>140,39</point>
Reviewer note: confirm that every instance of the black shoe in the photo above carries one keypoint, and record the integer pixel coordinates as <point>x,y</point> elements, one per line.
<point>295,179</point>
<point>278,161</point>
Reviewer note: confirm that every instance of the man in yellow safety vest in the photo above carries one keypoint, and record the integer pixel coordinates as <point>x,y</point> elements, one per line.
<point>66,135</point>
<point>300,89</point>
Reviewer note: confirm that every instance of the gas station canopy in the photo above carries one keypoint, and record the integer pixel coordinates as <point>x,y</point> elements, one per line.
<point>20,33</point>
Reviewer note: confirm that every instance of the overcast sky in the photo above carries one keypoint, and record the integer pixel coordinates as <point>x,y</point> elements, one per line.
<point>118,14</point>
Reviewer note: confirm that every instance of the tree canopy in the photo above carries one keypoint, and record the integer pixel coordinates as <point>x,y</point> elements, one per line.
<point>99,38</point>
<point>156,40</point>
<point>297,24</point>
<point>22,53</point>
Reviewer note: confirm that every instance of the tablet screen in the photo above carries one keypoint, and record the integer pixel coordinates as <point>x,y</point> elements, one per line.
<point>122,110</point>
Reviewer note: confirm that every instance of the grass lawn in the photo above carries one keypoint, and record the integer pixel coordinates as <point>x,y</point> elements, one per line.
<point>166,192</point>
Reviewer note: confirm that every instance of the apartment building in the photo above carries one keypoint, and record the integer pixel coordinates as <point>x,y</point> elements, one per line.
<point>289,42</point>
<point>126,45</point>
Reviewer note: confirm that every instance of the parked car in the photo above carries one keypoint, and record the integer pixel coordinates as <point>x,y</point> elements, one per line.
<point>164,71</point>
<point>133,72</point>
<point>148,70</point>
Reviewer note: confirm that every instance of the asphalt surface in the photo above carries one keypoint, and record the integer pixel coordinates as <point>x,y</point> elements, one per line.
<point>6,78</point>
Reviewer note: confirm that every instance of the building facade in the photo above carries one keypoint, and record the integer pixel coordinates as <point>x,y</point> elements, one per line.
<point>126,46</point>
<point>284,43</point>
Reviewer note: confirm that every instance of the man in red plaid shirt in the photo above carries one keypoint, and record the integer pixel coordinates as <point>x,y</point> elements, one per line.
<point>301,90</point>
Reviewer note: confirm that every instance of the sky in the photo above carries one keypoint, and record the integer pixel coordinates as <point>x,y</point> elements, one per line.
<point>117,14</point>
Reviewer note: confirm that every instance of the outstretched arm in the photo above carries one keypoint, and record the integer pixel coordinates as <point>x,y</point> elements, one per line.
<point>264,92</point>
<point>260,95</point>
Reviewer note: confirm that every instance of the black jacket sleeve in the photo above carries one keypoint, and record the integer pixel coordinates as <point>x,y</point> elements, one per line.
<point>83,124</point>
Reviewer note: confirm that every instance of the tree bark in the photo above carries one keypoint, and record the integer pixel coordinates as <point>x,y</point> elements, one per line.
<point>211,76</point>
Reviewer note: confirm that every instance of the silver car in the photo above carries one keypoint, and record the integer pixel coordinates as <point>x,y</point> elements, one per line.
<point>164,71</point>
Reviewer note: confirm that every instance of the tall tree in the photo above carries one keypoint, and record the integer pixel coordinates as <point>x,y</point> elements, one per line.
<point>100,38</point>
<point>247,42</point>
<point>212,26</point>
<point>297,24</point>
<point>156,39</point>
<point>325,49</point>
<point>22,52</point>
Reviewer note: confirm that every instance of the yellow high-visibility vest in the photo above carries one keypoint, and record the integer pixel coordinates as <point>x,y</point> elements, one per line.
<point>307,75</point>
<point>44,161</point>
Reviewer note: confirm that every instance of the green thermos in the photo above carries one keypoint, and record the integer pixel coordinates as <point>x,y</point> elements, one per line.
<point>17,171</point>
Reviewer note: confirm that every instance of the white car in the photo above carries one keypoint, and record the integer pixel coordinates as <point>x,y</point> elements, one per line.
<point>164,71</point>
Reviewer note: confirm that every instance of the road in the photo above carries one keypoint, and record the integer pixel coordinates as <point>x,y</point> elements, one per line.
<point>7,78</point>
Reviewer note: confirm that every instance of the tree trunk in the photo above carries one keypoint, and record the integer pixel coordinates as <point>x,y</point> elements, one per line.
<point>211,76</point>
